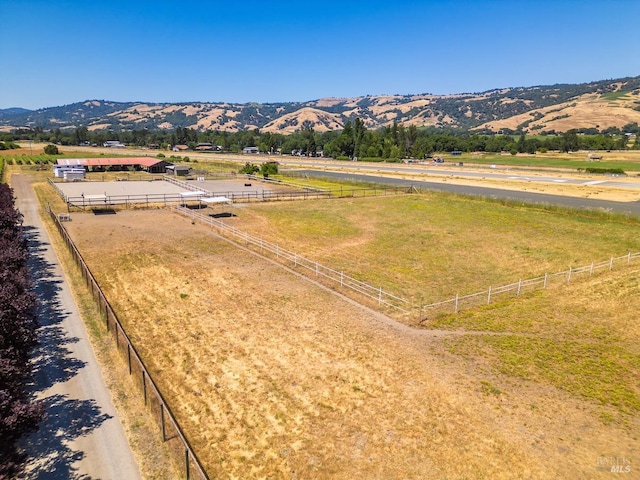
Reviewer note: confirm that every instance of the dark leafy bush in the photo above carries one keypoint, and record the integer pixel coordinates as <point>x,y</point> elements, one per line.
<point>611,171</point>
<point>18,415</point>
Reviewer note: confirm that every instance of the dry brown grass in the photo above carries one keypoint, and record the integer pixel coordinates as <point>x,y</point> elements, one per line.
<point>584,112</point>
<point>152,456</point>
<point>273,377</point>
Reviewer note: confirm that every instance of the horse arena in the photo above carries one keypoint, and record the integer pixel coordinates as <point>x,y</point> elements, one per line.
<point>160,191</point>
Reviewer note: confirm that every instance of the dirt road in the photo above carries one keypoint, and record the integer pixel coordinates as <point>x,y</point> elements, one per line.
<point>81,436</point>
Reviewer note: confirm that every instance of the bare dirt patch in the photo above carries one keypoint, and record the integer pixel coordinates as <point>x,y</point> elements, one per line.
<point>273,377</point>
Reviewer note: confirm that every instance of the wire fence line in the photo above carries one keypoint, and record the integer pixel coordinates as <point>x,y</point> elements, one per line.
<point>153,398</point>
<point>377,294</point>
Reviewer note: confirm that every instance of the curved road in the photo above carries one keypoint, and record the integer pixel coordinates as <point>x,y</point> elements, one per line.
<point>81,437</point>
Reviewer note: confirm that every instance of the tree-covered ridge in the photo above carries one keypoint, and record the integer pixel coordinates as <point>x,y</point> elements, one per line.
<point>462,111</point>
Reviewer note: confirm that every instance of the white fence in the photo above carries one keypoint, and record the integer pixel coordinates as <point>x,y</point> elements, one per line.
<point>298,261</point>
<point>459,302</point>
<point>384,298</point>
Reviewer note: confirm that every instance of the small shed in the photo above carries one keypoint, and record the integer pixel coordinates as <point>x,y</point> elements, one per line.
<point>178,170</point>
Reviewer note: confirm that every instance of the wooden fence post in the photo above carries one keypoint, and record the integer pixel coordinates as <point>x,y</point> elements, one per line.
<point>569,276</point>
<point>544,284</point>
<point>489,297</point>
<point>456,305</point>
<point>144,386</point>
<point>164,437</point>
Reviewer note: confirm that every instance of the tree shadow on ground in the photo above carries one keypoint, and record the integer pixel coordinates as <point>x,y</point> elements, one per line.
<point>50,450</point>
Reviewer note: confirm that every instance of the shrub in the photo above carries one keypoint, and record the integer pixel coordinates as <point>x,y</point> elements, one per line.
<point>612,171</point>
<point>51,150</point>
<point>249,169</point>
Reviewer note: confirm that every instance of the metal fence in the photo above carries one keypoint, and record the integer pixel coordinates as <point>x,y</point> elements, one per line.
<point>493,294</point>
<point>169,427</point>
<point>377,294</point>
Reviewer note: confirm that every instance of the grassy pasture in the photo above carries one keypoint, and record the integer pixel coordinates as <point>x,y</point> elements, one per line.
<point>272,378</point>
<point>433,246</point>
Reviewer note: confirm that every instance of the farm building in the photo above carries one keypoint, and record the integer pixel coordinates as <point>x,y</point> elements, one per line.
<point>178,170</point>
<point>63,171</point>
<point>147,164</point>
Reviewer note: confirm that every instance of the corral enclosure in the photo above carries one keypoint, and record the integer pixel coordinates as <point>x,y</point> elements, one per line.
<point>156,189</point>
<point>274,377</point>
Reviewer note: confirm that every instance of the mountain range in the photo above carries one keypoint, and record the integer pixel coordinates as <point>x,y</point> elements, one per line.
<point>539,109</point>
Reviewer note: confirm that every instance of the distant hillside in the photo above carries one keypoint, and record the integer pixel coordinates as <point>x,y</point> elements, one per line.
<point>11,112</point>
<point>602,104</point>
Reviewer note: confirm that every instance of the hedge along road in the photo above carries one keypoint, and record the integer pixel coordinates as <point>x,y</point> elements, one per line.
<point>628,208</point>
<point>81,436</point>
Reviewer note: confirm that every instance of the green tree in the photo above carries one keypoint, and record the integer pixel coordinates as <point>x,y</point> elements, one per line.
<point>51,150</point>
<point>269,168</point>
<point>249,169</point>
<point>570,141</point>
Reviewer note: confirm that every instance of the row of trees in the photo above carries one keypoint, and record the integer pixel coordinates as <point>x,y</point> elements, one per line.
<point>355,140</point>
<point>17,337</point>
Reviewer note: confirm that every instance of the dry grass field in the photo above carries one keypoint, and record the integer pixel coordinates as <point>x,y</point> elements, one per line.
<point>274,377</point>
<point>431,247</point>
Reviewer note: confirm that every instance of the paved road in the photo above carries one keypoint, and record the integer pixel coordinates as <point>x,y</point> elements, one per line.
<point>503,174</point>
<point>81,437</point>
<point>630,208</point>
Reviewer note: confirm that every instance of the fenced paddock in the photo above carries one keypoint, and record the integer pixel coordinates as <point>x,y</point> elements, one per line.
<point>383,298</point>
<point>377,294</point>
<point>166,191</point>
<point>168,425</point>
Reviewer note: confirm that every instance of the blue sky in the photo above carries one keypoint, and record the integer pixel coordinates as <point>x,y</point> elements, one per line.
<point>56,52</point>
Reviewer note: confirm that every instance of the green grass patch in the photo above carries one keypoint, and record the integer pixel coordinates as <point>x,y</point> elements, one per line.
<point>614,96</point>
<point>433,245</point>
<point>537,161</point>
<point>600,372</point>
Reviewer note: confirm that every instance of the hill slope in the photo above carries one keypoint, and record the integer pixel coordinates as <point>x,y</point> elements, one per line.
<point>601,104</point>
